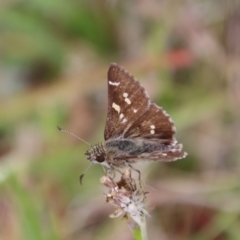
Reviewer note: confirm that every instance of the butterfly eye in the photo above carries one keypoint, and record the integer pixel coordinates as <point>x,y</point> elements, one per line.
<point>100,158</point>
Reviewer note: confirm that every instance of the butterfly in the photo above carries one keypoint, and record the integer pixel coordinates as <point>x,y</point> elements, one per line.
<point>136,129</point>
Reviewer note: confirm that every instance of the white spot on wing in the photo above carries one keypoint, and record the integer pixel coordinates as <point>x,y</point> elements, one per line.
<point>134,110</point>
<point>116,107</point>
<point>114,83</point>
<point>127,100</point>
<point>152,127</point>
<point>124,120</point>
<point>152,131</point>
<point>121,116</point>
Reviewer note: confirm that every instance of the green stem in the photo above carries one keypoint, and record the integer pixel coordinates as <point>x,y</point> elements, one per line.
<point>140,233</point>
<point>143,229</point>
<point>137,234</point>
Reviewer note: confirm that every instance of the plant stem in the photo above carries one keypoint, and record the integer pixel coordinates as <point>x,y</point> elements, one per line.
<point>143,229</point>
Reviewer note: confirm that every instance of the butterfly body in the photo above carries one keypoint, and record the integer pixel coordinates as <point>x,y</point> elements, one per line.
<point>120,153</point>
<point>136,129</point>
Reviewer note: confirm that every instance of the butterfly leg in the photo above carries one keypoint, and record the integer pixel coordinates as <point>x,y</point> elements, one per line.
<point>139,174</point>
<point>112,171</point>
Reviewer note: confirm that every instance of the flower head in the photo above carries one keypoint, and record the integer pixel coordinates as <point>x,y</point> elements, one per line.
<point>126,196</point>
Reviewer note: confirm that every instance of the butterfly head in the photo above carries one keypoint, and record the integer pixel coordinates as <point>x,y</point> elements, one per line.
<point>96,154</point>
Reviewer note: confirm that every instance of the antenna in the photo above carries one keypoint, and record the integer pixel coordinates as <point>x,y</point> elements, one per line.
<point>82,175</point>
<point>63,130</point>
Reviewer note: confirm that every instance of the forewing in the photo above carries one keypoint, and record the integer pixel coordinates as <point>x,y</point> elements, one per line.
<point>155,123</point>
<point>127,102</point>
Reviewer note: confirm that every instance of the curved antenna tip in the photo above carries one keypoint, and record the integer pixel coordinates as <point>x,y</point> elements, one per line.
<point>81,178</point>
<point>60,129</point>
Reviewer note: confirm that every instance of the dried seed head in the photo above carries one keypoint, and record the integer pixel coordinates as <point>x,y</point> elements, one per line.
<point>126,196</point>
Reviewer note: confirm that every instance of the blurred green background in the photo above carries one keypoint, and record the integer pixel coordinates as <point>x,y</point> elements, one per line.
<point>54,56</point>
